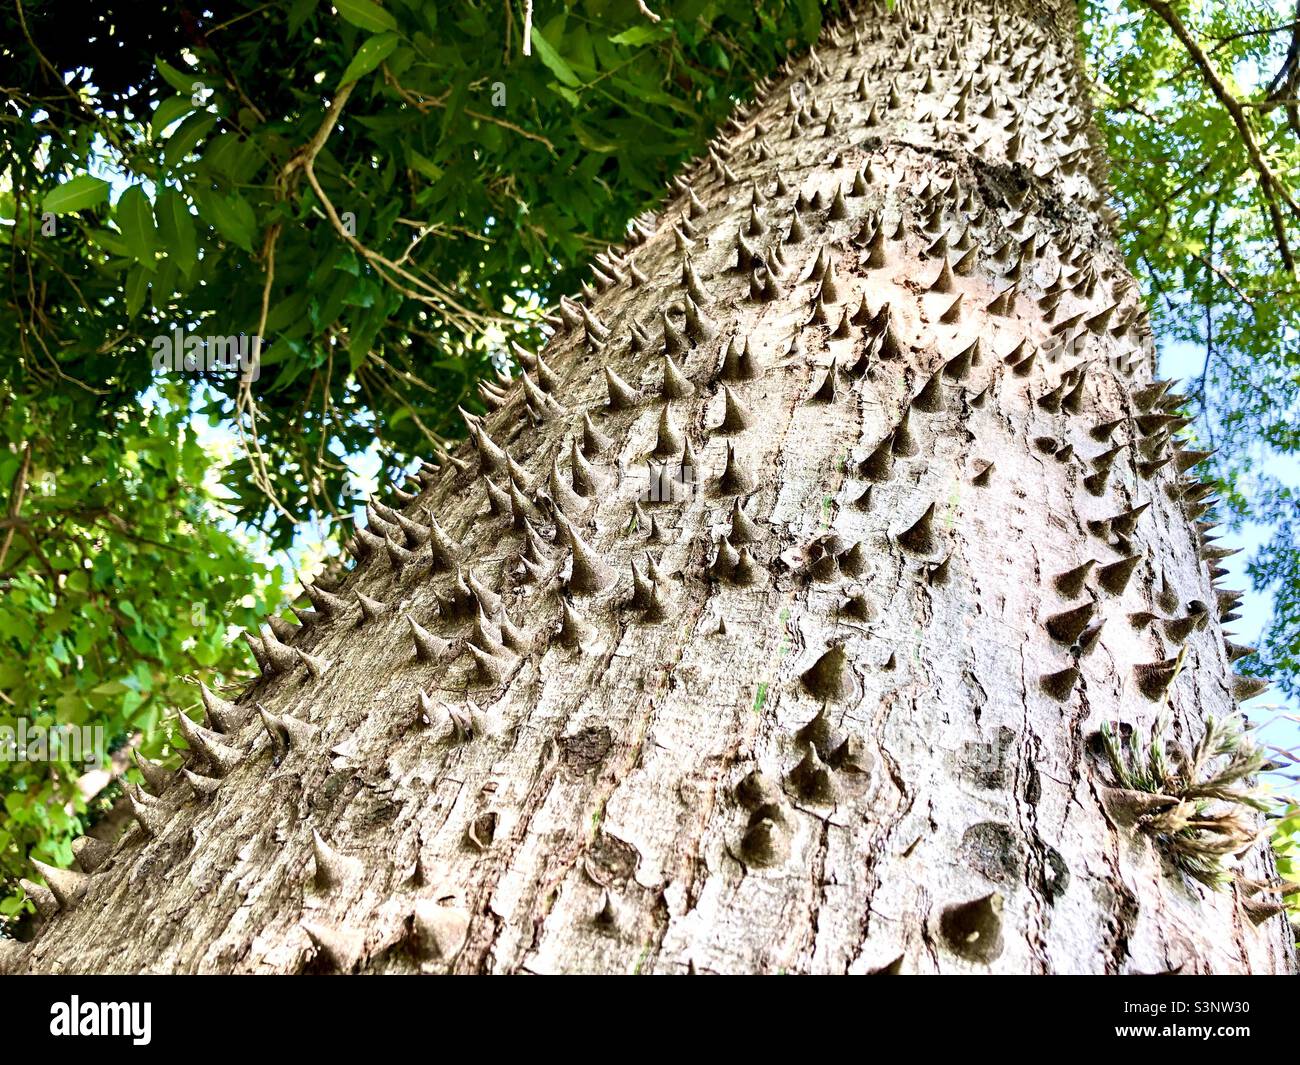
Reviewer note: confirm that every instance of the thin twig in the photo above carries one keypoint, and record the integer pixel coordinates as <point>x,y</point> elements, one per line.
<point>425,103</point>
<point>16,493</point>
<point>1227,279</point>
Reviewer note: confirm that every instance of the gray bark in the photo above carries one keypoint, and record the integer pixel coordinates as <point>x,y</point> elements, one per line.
<point>825,745</point>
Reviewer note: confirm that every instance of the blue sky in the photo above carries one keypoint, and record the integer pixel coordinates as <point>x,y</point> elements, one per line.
<point>1269,711</point>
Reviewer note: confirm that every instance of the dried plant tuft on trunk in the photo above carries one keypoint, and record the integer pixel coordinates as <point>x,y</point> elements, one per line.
<point>1198,806</point>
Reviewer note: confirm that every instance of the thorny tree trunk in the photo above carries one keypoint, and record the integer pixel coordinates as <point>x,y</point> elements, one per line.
<point>835,709</point>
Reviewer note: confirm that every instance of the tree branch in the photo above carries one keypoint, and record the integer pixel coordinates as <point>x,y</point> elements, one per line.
<point>1272,189</point>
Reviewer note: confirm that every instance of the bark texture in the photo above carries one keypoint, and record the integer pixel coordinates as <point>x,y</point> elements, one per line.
<point>824,703</point>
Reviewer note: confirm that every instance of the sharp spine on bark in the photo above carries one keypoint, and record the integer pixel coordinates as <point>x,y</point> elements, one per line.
<point>675,385</point>
<point>1236,650</point>
<point>148,816</point>
<point>831,676</point>
<point>560,488</point>
<point>1114,578</point>
<point>738,363</point>
<point>586,481</point>
<point>829,293</point>
<point>622,396</point>
<point>594,442</point>
<point>743,530</point>
<point>930,400</point>
<point>974,929</point>
<point>1060,685</point>
<point>723,567</point>
<point>66,885</point>
<point>489,668</point>
<point>944,282</point>
<point>959,366</point>
<point>919,537</point>
<point>853,562</point>
<point>438,931</point>
<point>825,390</point>
<point>332,869</point>
<point>589,574</point>
<point>325,602</point>
<point>155,775</point>
<point>901,441</point>
<point>283,629</point>
<point>371,609</point>
<point>767,837</point>
<point>425,708</point>
<point>736,417</point>
<point>1070,583</point>
<point>1147,397</point>
<point>486,635</point>
<point>341,948</point>
<point>90,853</point>
<point>278,658</point>
<point>316,665</point>
<point>735,479</point>
<point>1125,523</point>
<point>223,715</point>
<point>1154,678</point>
<point>575,631</point>
<point>203,787</point>
<point>208,745</point>
<point>364,543</point>
<point>1066,626</point>
<point>398,556</point>
<point>1185,460</point>
<point>428,647</point>
<point>675,341</point>
<point>47,906</point>
<point>486,598</point>
<point>813,780</point>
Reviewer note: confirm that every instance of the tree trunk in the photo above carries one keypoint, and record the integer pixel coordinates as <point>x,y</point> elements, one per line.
<point>779,661</point>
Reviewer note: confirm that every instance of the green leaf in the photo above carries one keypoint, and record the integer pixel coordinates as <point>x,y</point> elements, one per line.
<point>168,112</point>
<point>591,142</point>
<point>455,106</point>
<point>137,286</point>
<point>641,35</point>
<point>367,15</point>
<point>109,241</point>
<point>177,229</point>
<point>565,92</point>
<point>422,165</point>
<point>373,52</point>
<point>298,13</point>
<point>135,219</point>
<point>230,216</point>
<point>76,194</point>
<point>554,62</point>
<point>182,81</point>
<point>185,136</point>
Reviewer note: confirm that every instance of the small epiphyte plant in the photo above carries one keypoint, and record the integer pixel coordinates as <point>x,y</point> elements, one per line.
<point>1198,806</point>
